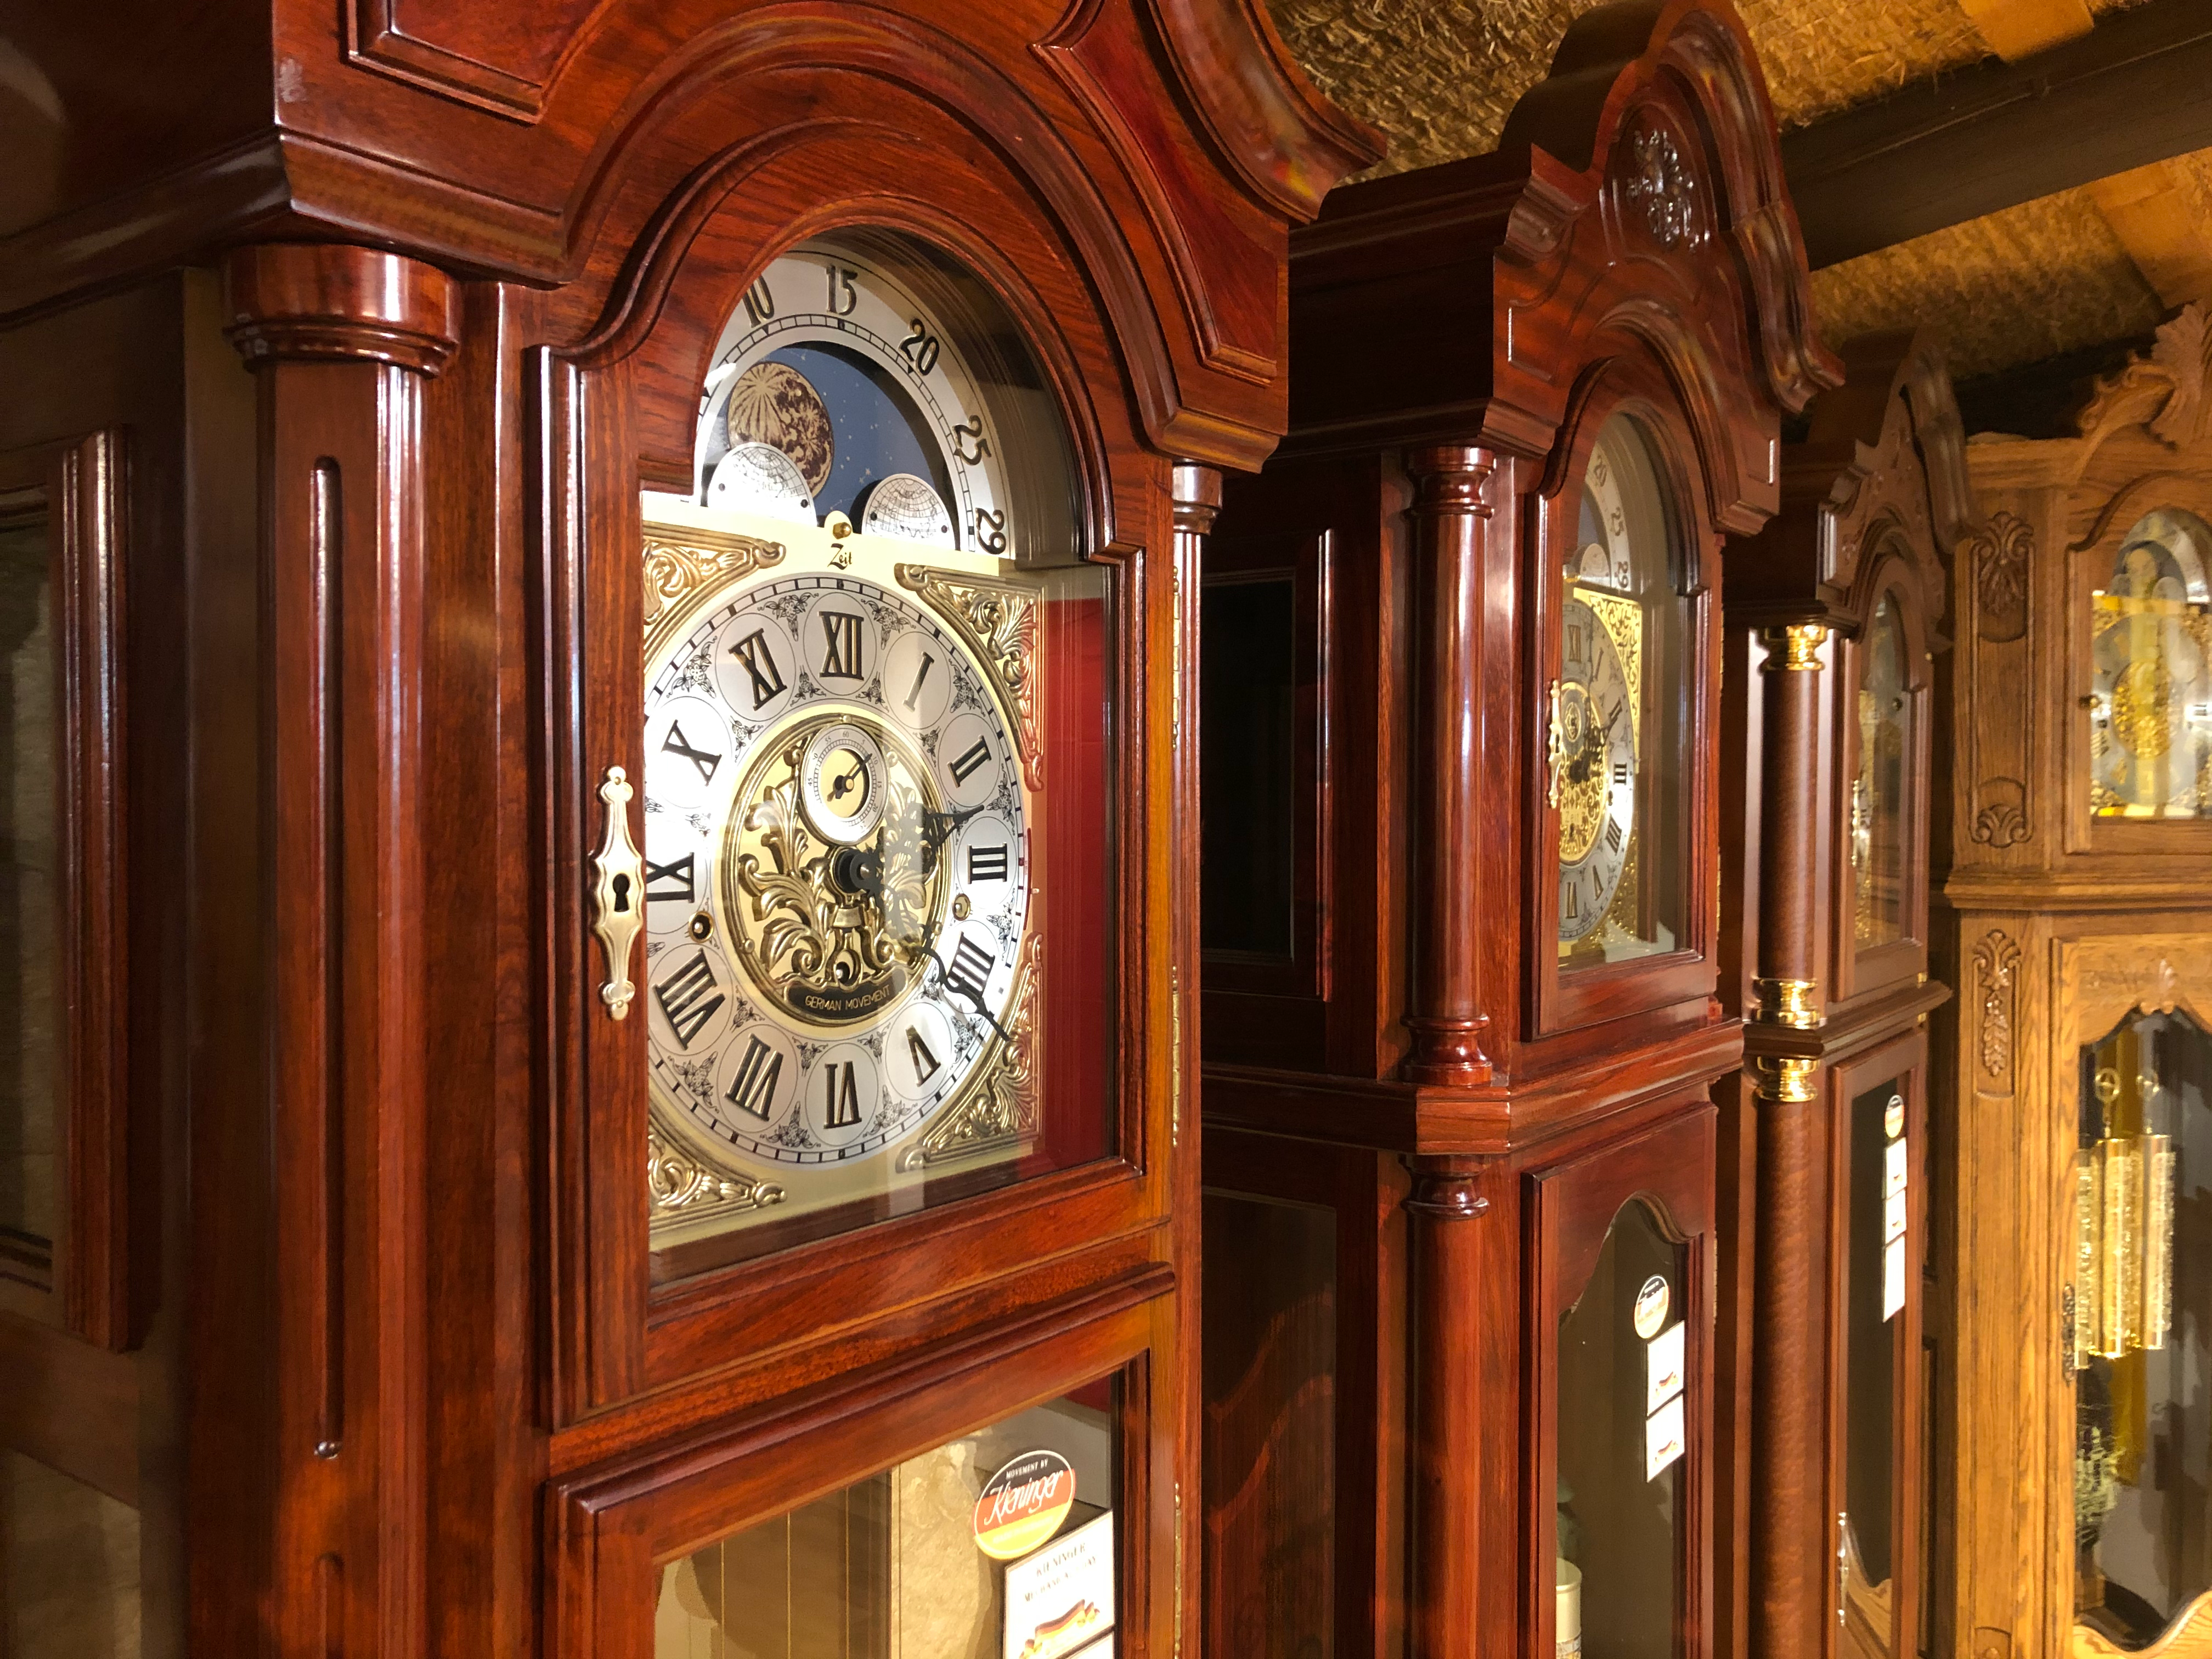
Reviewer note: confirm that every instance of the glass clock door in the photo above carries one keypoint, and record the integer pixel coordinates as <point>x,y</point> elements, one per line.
<point>2150,693</point>
<point>877,697</point>
<point>1622,1433</point>
<point>2142,1319</point>
<point>1617,718</point>
<point>997,1545</point>
<point>1880,822</point>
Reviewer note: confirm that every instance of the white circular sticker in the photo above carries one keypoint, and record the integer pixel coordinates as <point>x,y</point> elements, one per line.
<point>1651,1304</point>
<point>1893,1117</point>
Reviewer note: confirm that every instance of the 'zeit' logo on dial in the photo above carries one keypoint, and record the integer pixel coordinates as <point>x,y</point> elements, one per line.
<point>837,869</point>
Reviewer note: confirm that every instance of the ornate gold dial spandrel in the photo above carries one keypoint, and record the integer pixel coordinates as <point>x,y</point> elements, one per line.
<point>680,1184</point>
<point>998,623</point>
<point>676,566</point>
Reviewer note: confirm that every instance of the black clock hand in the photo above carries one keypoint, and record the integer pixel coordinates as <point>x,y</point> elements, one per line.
<point>944,973</point>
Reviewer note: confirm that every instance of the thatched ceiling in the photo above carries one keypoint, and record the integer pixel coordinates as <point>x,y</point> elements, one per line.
<point>1439,77</point>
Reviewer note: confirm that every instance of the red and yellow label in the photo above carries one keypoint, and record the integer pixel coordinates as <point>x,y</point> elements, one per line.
<point>1023,1505</point>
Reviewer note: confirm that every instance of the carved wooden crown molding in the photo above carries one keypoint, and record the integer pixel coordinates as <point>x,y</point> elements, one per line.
<point>1616,68</point>
<point>2163,391</point>
<point>309,302</point>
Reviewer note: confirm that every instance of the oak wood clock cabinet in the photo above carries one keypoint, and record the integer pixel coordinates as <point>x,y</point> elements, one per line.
<point>2080,884</point>
<point>625,1088</point>
<point>1833,618</point>
<point>1461,714</point>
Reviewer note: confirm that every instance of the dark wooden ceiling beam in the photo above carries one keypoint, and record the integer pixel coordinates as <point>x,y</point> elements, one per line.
<point>2135,90</point>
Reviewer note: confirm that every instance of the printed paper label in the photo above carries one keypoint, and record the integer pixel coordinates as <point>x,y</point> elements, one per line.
<point>1060,1600</point>
<point>1662,1366</point>
<point>1893,1170</point>
<point>1893,1216</point>
<point>1651,1304</point>
<point>1893,1278</point>
<point>1665,1437</point>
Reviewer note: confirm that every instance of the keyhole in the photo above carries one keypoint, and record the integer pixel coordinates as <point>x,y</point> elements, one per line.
<point>622,895</point>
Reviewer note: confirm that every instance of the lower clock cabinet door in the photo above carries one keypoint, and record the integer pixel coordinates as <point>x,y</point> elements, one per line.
<point>1624,1238</point>
<point>1000,1541</point>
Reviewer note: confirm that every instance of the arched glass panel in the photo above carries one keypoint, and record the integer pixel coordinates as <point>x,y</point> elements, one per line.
<point>1621,1425</point>
<point>2150,693</point>
<point>1875,1259</point>
<point>1879,818</point>
<point>1618,714</point>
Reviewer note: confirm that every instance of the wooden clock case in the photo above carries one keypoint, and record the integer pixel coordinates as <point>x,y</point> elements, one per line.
<point>2058,926</point>
<point>357,1308</point>
<point>1874,496</point>
<point>1416,1129</point>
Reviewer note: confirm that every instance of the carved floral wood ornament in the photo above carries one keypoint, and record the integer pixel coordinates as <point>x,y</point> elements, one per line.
<point>2076,877</point>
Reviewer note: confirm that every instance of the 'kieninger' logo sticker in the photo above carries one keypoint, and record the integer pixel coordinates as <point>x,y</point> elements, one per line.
<point>1023,1505</point>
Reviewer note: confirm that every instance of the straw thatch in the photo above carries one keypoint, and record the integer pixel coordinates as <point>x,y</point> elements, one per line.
<point>2036,280</point>
<point>1439,77</point>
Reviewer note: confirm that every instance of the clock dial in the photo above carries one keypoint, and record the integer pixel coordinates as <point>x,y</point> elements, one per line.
<point>1614,731</point>
<point>843,744</point>
<point>838,922</point>
<point>2150,699</point>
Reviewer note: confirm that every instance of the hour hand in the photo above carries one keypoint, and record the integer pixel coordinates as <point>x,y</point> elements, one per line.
<point>937,828</point>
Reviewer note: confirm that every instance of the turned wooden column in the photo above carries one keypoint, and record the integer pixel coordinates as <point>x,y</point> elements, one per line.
<point>343,339</point>
<point>1791,1544</point>
<point>1196,491</point>
<point>1451,1329</point>
<point>1451,513</point>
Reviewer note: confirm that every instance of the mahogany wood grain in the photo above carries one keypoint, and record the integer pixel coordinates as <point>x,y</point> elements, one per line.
<point>1874,499</point>
<point>343,338</point>
<point>1459,334</point>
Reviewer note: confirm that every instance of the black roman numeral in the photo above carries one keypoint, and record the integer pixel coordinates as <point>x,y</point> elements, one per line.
<point>840,1095</point>
<point>703,759</point>
<point>973,757</point>
<point>1571,899</point>
<point>760,664</point>
<point>986,863</point>
<point>1620,772</point>
<point>925,1063</point>
<point>685,998</point>
<point>971,970</point>
<point>753,1088</point>
<point>841,645</point>
<point>677,872</point>
<point>1612,836</point>
<point>927,663</point>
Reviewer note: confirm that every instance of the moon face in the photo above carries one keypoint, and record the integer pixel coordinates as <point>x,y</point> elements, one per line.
<point>773,404</point>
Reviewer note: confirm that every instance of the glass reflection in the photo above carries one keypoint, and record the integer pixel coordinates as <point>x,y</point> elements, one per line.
<point>997,1543</point>
<point>1620,1439</point>
<point>1878,818</point>
<point>1614,747</point>
<point>2143,1306</point>
<point>69,1567</point>
<point>30,1123</point>
<point>2150,691</point>
<point>1874,1289</point>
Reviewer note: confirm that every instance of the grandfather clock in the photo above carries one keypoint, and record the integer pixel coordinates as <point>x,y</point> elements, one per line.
<point>1461,931</point>
<point>1833,619</point>
<point>601,618</point>
<point>2080,884</point>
